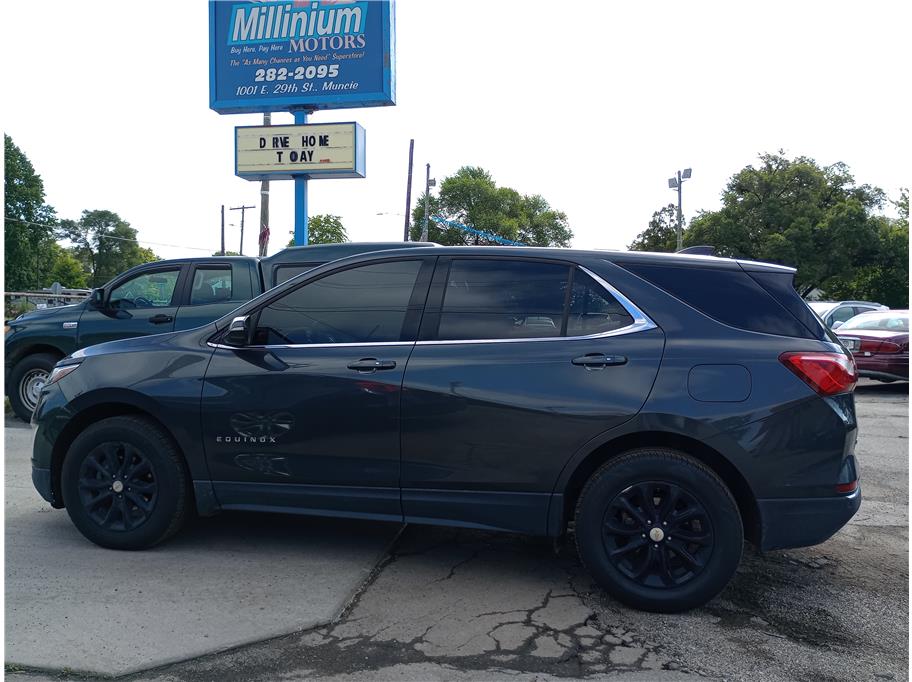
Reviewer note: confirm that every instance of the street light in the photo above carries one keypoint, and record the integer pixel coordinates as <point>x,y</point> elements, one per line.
<point>677,183</point>
<point>429,182</point>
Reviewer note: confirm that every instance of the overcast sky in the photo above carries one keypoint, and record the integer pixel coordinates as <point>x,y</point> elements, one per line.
<point>591,104</point>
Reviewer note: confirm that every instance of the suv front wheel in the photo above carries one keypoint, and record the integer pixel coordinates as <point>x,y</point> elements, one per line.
<point>124,484</point>
<point>658,530</point>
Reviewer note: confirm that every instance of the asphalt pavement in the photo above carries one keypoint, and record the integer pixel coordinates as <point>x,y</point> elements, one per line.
<point>448,604</point>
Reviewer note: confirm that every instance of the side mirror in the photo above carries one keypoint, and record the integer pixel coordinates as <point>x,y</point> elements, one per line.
<point>96,300</point>
<point>238,332</point>
<point>836,325</point>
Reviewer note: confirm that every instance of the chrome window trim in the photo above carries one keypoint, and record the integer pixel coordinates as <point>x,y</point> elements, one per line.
<point>641,323</point>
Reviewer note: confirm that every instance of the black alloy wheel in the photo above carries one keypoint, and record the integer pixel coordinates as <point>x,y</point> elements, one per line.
<point>658,530</point>
<point>125,484</point>
<point>657,534</point>
<point>118,488</point>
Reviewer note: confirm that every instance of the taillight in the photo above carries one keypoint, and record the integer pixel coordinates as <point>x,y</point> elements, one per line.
<point>826,373</point>
<point>888,347</point>
<point>874,346</point>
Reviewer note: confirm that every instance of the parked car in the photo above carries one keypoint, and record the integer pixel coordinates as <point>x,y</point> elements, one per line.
<point>835,313</point>
<point>664,406</point>
<point>157,297</point>
<point>880,343</point>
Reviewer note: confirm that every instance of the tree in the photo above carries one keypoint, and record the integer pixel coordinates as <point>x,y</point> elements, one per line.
<point>797,213</point>
<point>661,234</point>
<point>28,222</point>
<point>324,228</point>
<point>66,269</point>
<point>227,253</point>
<point>472,198</point>
<point>105,244</point>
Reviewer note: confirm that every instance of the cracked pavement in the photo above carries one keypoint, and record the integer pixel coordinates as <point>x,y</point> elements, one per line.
<point>452,604</point>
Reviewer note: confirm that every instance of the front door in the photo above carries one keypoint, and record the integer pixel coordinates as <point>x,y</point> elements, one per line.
<point>142,304</point>
<point>307,416</point>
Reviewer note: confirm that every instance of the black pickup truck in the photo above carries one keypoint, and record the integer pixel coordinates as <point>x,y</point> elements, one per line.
<point>157,297</point>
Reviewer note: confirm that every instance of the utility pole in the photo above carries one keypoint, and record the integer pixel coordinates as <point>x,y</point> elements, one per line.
<point>678,184</point>
<point>428,183</point>
<point>408,192</point>
<point>242,209</point>
<point>264,203</point>
<point>223,230</point>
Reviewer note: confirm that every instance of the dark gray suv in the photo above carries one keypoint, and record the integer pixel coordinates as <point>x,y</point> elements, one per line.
<point>662,408</point>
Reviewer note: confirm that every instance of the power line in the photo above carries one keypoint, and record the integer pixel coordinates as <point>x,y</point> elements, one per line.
<point>107,236</point>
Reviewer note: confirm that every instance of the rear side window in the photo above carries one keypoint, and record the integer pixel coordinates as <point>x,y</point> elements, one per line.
<point>283,273</point>
<point>367,304</point>
<point>729,296</point>
<point>211,285</point>
<point>592,309</point>
<point>503,299</point>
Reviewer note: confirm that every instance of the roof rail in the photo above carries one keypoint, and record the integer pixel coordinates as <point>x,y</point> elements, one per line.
<point>699,251</point>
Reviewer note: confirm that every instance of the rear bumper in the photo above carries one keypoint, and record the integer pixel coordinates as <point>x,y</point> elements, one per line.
<point>802,522</point>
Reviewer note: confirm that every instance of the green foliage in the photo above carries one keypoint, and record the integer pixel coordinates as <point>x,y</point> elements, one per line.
<point>471,197</point>
<point>661,234</point>
<point>28,223</point>
<point>227,253</point>
<point>105,245</point>
<point>324,228</point>
<point>67,270</point>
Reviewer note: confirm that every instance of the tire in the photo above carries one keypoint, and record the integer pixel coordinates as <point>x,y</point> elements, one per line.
<point>640,562</point>
<point>26,380</point>
<point>124,484</point>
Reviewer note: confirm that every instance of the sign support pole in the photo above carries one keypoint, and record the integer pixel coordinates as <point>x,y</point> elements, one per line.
<point>300,185</point>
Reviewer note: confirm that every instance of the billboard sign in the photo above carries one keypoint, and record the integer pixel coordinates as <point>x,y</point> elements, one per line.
<point>317,150</point>
<point>315,54</point>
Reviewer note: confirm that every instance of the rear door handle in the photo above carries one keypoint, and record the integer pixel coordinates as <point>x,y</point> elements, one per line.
<point>599,360</point>
<point>161,319</point>
<point>370,365</point>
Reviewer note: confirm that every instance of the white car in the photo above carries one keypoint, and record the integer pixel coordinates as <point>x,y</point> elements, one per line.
<point>835,313</point>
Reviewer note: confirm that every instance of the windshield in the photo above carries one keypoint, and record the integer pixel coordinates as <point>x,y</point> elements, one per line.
<point>894,321</point>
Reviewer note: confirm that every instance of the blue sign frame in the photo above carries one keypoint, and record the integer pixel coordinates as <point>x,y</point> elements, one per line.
<point>360,158</point>
<point>286,55</point>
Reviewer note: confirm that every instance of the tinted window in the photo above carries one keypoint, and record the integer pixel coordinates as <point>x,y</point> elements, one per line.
<point>780,285</point>
<point>730,296</point>
<point>151,290</point>
<point>211,285</point>
<point>592,309</point>
<point>283,273</point>
<point>503,299</point>
<point>367,304</point>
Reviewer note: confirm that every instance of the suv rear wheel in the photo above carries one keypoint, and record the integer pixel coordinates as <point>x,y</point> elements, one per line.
<point>124,484</point>
<point>26,380</point>
<point>658,530</point>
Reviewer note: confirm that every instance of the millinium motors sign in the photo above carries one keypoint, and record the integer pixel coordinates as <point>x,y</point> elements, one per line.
<point>313,54</point>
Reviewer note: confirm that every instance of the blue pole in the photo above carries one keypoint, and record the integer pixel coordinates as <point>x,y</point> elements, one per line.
<point>300,185</point>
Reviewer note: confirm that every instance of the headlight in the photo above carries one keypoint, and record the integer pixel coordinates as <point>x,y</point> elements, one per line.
<point>59,372</point>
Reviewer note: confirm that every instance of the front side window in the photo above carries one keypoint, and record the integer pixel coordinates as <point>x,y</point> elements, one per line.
<point>503,299</point>
<point>842,314</point>
<point>366,304</point>
<point>151,290</point>
<point>211,285</point>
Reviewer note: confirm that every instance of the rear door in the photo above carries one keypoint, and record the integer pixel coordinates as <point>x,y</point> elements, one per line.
<point>519,363</point>
<point>212,290</point>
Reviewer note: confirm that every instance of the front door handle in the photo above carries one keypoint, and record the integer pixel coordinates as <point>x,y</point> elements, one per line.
<point>599,360</point>
<point>371,365</point>
<point>161,319</point>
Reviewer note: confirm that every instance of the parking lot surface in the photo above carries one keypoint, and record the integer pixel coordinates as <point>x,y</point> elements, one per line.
<point>448,604</point>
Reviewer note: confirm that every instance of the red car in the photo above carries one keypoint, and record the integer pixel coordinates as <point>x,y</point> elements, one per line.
<point>880,343</point>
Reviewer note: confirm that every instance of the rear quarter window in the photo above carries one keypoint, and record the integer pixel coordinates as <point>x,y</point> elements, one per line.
<point>729,296</point>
